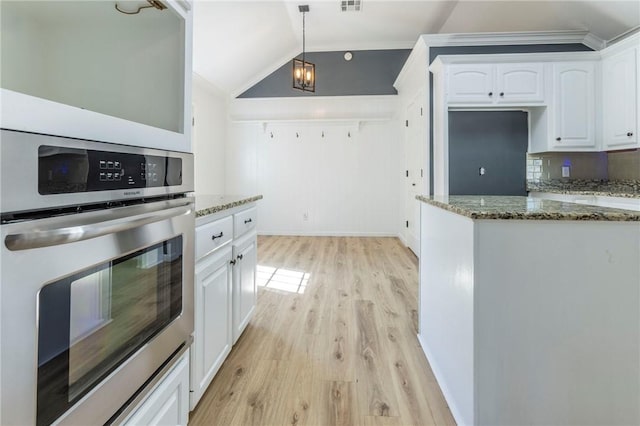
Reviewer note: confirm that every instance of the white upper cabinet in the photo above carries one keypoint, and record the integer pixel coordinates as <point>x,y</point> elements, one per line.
<point>84,70</point>
<point>488,84</point>
<point>470,84</point>
<point>574,107</point>
<point>620,95</point>
<point>517,83</point>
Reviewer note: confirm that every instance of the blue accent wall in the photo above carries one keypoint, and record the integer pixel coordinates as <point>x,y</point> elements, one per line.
<point>369,72</point>
<point>477,50</point>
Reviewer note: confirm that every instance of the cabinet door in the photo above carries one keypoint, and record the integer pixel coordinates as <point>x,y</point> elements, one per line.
<point>212,335</point>
<point>167,405</point>
<point>244,284</point>
<point>519,83</point>
<point>574,105</point>
<point>470,84</point>
<point>620,91</point>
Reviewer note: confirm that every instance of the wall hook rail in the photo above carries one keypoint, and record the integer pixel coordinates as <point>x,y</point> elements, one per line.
<point>152,3</point>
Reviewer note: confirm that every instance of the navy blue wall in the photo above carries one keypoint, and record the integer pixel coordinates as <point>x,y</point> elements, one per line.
<point>468,50</point>
<point>369,72</point>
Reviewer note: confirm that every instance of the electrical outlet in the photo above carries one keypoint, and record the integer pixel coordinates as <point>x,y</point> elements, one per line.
<point>305,216</point>
<point>566,171</point>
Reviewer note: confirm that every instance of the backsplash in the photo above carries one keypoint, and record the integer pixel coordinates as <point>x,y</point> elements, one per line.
<point>624,165</point>
<point>596,166</point>
<point>582,165</point>
<point>617,171</point>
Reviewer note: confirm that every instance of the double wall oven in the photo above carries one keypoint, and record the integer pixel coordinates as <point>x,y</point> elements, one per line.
<point>97,261</point>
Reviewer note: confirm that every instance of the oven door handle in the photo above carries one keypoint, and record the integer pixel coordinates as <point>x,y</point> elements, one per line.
<point>72,234</point>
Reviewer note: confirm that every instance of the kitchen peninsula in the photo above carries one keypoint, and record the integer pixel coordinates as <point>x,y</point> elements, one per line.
<point>530,309</point>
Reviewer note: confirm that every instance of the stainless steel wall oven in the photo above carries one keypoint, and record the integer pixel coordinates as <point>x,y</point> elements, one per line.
<point>97,266</point>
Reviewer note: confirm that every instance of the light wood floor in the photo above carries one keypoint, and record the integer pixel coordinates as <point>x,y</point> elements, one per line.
<point>336,346</point>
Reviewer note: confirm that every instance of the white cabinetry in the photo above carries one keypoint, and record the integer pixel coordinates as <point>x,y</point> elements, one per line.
<point>244,271</point>
<point>468,84</point>
<point>488,84</point>
<point>620,96</point>
<point>225,290</point>
<point>212,335</point>
<point>85,70</point>
<point>168,404</point>
<point>574,105</point>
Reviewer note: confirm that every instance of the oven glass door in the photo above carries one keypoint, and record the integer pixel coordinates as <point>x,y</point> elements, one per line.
<point>92,321</point>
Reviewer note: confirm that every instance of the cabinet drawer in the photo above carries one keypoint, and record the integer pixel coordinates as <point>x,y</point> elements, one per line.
<point>213,235</point>
<point>244,221</point>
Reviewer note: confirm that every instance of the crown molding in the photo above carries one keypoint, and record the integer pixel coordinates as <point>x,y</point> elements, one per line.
<point>624,37</point>
<point>510,38</point>
<point>594,42</point>
<point>626,41</point>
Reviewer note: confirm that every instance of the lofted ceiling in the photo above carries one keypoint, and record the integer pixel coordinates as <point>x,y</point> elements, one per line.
<point>238,42</point>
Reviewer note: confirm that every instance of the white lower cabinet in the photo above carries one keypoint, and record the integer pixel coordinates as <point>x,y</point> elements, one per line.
<point>212,335</point>
<point>225,291</point>
<point>168,404</point>
<point>244,282</point>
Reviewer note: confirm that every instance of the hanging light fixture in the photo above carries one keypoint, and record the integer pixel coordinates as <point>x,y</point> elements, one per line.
<point>304,73</point>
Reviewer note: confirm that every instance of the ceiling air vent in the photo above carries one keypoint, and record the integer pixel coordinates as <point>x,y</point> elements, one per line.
<point>351,5</point>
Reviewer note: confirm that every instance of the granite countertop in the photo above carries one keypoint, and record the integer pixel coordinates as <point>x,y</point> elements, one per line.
<point>624,189</point>
<point>211,203</point>
<point>524,208</point>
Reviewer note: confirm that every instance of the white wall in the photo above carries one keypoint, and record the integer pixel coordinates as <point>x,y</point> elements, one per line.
<point>209,137</point>
<point>345,185</point>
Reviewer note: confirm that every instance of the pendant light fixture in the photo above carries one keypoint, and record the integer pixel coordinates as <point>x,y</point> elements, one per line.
<point>304,73</point>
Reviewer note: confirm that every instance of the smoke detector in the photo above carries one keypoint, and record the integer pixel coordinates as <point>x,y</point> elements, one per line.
<point>351,5</point>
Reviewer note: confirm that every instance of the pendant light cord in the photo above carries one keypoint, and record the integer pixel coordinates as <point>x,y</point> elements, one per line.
<point>303,45</point>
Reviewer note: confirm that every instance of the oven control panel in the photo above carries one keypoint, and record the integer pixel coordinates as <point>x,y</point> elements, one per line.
<point>71,170</point>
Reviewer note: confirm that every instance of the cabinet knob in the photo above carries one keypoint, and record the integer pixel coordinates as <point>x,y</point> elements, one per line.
<point>248,221</point>
<point>558,139</point>
<point>233,262</point>
<point>501,94</point>
<point>220,235</point>
<point>490,94</point>
<point>629,133</point>
<point>240,256</point>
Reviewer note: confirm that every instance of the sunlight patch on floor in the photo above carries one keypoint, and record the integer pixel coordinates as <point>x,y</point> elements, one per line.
<point>282,279</point>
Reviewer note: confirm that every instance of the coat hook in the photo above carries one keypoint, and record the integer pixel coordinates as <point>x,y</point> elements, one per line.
<point>271,134</point>
<point>323,133</point>
<point>349,134</point>
<point>297,135</point>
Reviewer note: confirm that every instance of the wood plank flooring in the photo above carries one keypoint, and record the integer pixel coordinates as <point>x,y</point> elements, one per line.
<point>333,341</point>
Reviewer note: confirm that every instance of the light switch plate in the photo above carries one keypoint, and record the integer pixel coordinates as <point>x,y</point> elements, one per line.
<point>566,171</point>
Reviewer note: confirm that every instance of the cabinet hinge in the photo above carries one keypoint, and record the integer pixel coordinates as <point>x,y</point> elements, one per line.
<point>193,121</point>
<point>420,111</point>
<point>406,123</point>
<point>406,173</point>
<point>421,173</point>
<point>407,223</point>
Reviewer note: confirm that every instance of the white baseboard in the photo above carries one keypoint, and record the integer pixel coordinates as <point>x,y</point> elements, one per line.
<point>455,412</point>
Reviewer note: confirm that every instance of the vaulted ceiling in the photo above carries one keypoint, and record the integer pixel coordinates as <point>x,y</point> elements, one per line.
<point>238,42</point>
